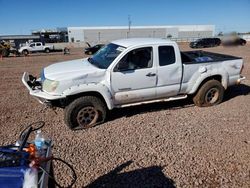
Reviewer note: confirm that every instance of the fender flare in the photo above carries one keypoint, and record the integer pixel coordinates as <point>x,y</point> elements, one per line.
<point>83,89</point>
<point>208,76</point>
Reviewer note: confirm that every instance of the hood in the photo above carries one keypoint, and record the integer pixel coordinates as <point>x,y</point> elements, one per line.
<point>75,69</point>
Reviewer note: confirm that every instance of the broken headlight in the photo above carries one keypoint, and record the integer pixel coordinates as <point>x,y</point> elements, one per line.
<point>50,85</point>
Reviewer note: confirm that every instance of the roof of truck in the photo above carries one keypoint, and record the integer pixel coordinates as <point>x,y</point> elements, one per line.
<point>141,41</point>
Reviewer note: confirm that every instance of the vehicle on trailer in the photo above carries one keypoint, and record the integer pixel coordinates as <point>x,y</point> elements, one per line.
<point>131,72</point>
<point>35,47</point>
<point>205,43</point>
<point>93,49</point>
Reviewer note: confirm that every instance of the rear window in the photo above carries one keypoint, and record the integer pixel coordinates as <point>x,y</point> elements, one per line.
<point>166,55</point>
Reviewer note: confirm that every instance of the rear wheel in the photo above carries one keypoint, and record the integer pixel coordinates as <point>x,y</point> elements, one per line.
<point>211,93</point>
<point>85,112</point>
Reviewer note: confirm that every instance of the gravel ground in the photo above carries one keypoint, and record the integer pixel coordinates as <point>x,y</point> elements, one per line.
<point>173,144</point>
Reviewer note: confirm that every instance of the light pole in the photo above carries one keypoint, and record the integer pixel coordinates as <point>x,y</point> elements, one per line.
<point>129,25</point>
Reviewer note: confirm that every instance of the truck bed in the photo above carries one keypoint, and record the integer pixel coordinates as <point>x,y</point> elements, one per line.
<point>199,56</point>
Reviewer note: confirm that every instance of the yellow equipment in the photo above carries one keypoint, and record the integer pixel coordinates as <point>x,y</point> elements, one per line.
<point>4,49</point>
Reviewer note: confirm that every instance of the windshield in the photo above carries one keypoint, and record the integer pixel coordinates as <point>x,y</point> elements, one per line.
<point>106,55</point>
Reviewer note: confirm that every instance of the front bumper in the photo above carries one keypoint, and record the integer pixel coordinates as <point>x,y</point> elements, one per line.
<point>36,91</point>
<point>240,79</point>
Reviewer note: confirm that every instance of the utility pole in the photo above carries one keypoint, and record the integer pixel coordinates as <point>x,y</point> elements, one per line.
<point>129,25</point>
<point>99,36</point>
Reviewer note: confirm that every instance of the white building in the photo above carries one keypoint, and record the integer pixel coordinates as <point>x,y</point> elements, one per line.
<point>106,34</point>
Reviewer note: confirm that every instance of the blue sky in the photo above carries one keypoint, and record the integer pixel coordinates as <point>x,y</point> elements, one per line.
<point>22,16</point>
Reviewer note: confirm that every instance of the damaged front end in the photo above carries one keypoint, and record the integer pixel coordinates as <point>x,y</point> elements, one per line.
<point>34,83</point>
<point>34,86</point>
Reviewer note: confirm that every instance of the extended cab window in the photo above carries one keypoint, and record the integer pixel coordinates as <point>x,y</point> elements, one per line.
<point>38,44</point>
<point>166,55</point>
<point>136,59</point>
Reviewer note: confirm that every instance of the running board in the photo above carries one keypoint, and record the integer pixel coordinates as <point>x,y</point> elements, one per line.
<point>153,101</point>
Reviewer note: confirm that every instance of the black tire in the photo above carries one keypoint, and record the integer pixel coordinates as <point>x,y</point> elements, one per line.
<point>211,93</point>
<point>85,112</point>
<point>25,52</point>
<point>5,53</point>
<point>47,50</point>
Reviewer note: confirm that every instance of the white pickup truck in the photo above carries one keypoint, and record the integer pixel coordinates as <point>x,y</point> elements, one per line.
<point>132,72</point>
<point>35,47</point>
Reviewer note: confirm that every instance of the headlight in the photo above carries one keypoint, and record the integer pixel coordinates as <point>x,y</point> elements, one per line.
<point>50,85</point>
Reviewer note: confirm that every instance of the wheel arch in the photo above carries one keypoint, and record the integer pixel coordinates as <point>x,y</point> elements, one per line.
<point>217,77</point>
<point>104,98</point>
<point>25,50</point>
<point>47,48</point>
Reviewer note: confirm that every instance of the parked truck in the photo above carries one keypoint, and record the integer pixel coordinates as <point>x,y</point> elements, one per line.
<point>131,72</point>
<point>35,47</point>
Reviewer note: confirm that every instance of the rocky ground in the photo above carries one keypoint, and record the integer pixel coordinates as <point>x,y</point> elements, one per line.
<point>173,144</point>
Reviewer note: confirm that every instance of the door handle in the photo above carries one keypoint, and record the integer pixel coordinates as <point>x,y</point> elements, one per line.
<point>151,74</point>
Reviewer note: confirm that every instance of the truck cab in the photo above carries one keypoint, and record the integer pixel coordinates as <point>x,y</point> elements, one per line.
<point>146,72</point>
<point>37,46</point>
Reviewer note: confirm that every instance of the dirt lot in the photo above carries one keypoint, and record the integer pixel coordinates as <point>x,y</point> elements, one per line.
<point>174,144</point>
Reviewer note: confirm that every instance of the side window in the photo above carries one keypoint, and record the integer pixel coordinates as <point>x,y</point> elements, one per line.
<point>38,44</point>
<point>32,45</point>
<point>166,55</point>
<point>136,59</point>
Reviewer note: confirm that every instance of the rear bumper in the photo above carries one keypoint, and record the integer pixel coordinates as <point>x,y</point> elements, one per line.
<point>36,90</point>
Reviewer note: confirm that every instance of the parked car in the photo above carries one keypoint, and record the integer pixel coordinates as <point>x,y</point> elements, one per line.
<point>205,42</point>
<point>234,42</point>
<point>35,47</point>
<point>93,49</point>
<point>130,72</point>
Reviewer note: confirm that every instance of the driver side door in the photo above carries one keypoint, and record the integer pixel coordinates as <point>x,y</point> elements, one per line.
<point>134,77</point>
<point>32,47</point>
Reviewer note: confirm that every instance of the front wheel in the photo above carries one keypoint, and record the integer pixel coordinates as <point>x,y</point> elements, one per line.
<point>47,50</point>
<point>85,112</point>
<point>25,52</point>
<point>210,94</point>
